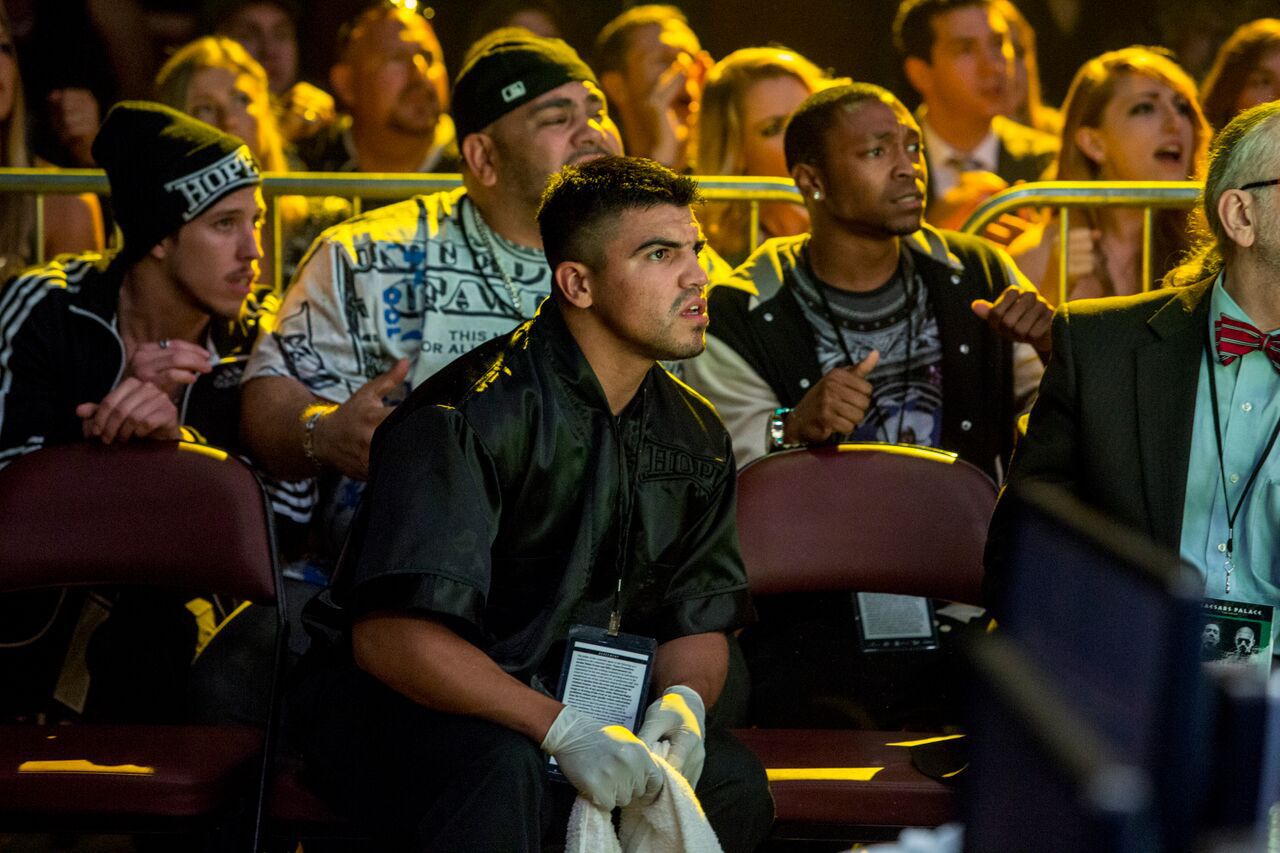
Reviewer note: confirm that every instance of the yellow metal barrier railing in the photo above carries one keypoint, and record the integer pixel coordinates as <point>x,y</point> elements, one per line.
<point>361,185</point>
<point>1066,195</point>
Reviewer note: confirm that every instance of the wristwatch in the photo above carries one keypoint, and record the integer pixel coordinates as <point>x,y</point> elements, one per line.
<point>776,437</point>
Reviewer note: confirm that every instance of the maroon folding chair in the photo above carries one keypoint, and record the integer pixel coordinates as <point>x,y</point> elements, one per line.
<point>868,518</point>
<point>159,514</point>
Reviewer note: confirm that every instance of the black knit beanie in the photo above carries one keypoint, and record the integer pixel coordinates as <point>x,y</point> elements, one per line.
<point>507,69</point>
<point>165,169</point>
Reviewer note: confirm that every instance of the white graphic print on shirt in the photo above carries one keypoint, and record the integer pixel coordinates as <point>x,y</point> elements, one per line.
<point>413,280</point>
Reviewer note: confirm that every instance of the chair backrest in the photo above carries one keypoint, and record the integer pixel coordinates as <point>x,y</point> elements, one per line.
<point>167,514</point>
<point>866,517</point>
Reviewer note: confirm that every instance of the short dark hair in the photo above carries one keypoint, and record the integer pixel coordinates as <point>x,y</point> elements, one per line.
<point>806,133</point>
<point>913,25</point>
<point>611,45</point>
<point>580,199</point>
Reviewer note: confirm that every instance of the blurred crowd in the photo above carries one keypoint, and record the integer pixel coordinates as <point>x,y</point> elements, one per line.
<point>341,87</point>
<point>292,346</point>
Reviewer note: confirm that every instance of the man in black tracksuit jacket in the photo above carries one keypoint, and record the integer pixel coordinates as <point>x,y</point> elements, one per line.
<point>146,342</point>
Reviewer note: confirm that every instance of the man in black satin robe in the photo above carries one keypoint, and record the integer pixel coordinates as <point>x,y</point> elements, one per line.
<point>557,476</point>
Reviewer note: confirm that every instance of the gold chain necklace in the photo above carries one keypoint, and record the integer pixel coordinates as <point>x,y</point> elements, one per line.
<point>484,230</point>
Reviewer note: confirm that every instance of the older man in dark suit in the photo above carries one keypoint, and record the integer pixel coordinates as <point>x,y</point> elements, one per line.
<point>1162,409</point>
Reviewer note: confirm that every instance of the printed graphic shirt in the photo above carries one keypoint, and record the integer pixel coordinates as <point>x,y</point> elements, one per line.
<point>413,280</point>
<point>417,280</point>
<point>906,403</point>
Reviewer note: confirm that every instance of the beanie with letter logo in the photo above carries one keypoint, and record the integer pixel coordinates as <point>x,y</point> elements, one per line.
<point>165,169</point>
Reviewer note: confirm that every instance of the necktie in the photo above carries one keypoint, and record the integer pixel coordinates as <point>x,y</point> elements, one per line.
<point>1236,338</point>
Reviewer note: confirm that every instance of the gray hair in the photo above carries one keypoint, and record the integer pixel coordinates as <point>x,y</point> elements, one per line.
<point>1239,151</point>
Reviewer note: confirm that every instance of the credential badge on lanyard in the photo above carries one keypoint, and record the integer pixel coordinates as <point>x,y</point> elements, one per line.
<point>606,675</point>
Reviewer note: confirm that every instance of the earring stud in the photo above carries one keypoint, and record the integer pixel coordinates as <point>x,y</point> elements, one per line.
<point>817,195</point>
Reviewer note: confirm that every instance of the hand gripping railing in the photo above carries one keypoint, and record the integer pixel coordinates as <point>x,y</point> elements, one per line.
<point>1148,195</point>
<point>361,185</point>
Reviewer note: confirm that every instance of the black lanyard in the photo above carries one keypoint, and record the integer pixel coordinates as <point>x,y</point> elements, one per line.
<point>629,484</point>
<point>1232,514</point>
<point>909,297</point>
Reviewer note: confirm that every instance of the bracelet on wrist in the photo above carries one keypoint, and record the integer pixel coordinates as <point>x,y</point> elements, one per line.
<point>310,420</point>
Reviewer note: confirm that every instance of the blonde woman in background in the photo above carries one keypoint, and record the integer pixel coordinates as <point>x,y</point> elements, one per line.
<point>215,80</point>
<point>749,96</point>
<point>72,223</point>
<point>1130,115</point>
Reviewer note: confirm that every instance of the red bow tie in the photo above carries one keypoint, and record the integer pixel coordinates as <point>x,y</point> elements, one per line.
<point>1236,338</point>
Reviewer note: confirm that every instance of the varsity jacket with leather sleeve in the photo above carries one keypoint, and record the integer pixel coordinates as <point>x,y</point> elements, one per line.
<point>761,353</point>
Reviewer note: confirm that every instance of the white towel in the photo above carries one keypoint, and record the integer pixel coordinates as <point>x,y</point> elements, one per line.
<point>673,823</point>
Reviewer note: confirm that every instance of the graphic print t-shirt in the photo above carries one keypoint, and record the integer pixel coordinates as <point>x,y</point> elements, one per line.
<point>895,318</point>
<point>413,280</point>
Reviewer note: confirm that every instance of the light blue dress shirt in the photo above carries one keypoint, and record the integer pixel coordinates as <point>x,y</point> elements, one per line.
<point>1248,409</point>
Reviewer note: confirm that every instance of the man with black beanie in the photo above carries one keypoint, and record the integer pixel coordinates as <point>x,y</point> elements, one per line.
<point>385,300</point>
<point>145,342</point>
<point>135,344</point>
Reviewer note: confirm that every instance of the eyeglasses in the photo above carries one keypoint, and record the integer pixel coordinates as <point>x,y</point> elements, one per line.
<point>1256,184</point>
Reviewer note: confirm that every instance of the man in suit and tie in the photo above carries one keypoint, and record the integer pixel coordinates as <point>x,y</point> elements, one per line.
<point>1162,409</point>
<point>957,54</point>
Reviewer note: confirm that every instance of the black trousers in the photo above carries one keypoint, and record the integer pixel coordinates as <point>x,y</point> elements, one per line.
<point>427,781</point>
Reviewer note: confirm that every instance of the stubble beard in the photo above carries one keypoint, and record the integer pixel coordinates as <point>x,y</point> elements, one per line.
<point>406,118</point>
<point>1267,247</point>
<point>674,346</point>
<point>677,349</point>
<point>904,224</point>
